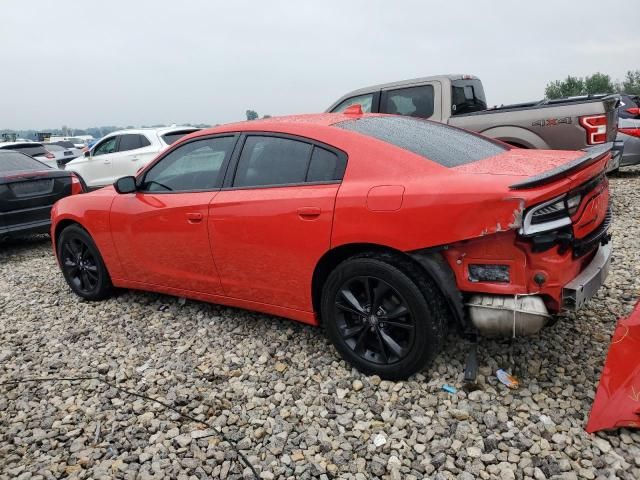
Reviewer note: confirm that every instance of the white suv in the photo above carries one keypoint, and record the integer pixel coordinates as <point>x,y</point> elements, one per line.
<point>123,153</point>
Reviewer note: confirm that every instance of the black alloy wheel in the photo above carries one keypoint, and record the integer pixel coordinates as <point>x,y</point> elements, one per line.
<point>82,265</point>
<point>374,320</point>
<point>384,315</point>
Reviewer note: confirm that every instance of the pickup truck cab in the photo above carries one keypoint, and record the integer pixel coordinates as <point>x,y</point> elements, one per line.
<point>459,100</point>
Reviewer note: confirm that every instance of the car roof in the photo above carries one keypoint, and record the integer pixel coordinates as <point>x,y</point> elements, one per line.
<point>20,144</point>
<point>282,123</point>
<point>156,130</point>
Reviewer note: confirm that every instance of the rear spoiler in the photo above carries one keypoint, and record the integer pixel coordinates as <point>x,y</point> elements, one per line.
<point>592,154</point>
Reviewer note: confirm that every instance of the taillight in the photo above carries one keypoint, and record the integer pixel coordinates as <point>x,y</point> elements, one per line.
<point>50,156</point>
<point>634,132</point>
<point>596,127</point>
<point>633,110</point>
<point>76,185</point>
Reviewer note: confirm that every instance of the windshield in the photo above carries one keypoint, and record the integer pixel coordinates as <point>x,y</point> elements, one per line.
<point>467,96</point>
<point>439,143</point>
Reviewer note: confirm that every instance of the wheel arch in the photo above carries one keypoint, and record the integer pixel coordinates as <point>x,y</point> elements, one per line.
<point>515,135</point>
<point>432,263</point>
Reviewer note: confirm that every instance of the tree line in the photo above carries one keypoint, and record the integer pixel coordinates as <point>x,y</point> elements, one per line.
<point>594,84</point>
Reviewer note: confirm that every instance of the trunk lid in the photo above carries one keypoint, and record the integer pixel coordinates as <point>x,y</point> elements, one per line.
<point>27,197</point>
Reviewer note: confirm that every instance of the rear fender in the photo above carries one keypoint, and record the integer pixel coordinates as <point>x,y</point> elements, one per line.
<point>517,135</point>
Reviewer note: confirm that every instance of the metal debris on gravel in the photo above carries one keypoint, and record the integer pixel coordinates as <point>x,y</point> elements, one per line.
<point>278,390</point>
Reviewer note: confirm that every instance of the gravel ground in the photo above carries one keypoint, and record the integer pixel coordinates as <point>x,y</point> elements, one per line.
<point>277,391</point>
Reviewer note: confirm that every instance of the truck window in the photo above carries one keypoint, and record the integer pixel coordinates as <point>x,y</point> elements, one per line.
<point>365,102</point>
<point>411,101</point>
<point>467,96</point>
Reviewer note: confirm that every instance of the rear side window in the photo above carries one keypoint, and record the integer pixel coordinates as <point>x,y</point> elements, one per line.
<point>272,161</point>
<point>17,162</point>
<point>467,96</point>
<point>172,137</point>
<point>325,166</point>
<point>365,102</point>
<point>439,143</point>
<point>132,141</point>
<point>412,101</point>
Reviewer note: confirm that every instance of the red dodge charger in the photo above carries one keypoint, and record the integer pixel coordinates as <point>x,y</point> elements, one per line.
<point>385,230</point>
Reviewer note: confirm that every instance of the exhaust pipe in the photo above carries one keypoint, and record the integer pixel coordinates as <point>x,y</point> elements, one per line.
<point>508,316</point>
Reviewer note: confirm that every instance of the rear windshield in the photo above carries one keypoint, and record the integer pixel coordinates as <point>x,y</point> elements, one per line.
<point>17,162</point>
<point>467,96</point>
<point>439,143</point>
<point>172,137</point>
<point>29,149</point>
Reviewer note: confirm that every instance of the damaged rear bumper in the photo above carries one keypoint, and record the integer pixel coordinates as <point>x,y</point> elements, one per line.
<point>578,291</point>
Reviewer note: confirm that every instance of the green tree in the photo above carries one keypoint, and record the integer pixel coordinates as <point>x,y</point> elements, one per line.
<point>252,115</point>
<point>631,83</point>
<point>598,83</point>
<point>565,88</point>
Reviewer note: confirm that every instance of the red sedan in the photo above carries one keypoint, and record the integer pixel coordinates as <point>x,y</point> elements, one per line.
<point>385,230</point>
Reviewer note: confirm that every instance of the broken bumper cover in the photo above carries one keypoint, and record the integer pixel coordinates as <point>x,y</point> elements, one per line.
<point>578,291</point>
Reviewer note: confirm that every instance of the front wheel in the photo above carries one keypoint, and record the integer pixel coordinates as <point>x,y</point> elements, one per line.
<point>383,316</point>
<point>82,264</point>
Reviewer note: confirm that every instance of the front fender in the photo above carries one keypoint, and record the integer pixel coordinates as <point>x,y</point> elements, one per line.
<point>92,212</point>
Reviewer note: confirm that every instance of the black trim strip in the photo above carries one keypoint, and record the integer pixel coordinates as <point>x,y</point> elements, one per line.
<point>592,154</point>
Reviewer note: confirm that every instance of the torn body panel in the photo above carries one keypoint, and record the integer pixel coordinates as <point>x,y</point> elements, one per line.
<point>617,401</point>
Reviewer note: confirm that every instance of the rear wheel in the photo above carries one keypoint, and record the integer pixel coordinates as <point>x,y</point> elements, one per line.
<point>383,316</point>
<point>82,264</point>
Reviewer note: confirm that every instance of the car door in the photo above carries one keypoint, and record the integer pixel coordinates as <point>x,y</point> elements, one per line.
<point>272,222</point>
<point>161,230</point>
<point>98,170</point>
<point>134,151</point>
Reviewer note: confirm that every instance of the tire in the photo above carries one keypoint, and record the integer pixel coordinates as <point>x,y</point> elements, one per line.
<point>82,265</point>
<point>390,342</point>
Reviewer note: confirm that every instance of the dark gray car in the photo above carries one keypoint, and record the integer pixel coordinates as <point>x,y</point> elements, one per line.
<point>629,129</point>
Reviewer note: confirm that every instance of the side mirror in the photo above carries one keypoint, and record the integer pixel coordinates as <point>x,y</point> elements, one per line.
<point>125,185</point>
<point>87,153</point>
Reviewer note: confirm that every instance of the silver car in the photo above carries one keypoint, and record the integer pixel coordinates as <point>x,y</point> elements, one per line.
<point>629,129</point>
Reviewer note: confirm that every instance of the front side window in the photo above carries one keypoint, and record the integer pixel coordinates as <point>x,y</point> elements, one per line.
<point>365,102</point>
<point>272,161</point>
<point>411,101</point>
<point>108,146</point>
<point>132,141</point>
<point>194,166</point>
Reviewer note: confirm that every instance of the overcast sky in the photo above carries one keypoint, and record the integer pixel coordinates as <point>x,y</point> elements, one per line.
<point>133,62</point>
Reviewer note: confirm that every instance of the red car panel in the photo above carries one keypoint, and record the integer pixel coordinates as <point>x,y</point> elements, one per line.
<point>164,240</point>
<point>267,241</point>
